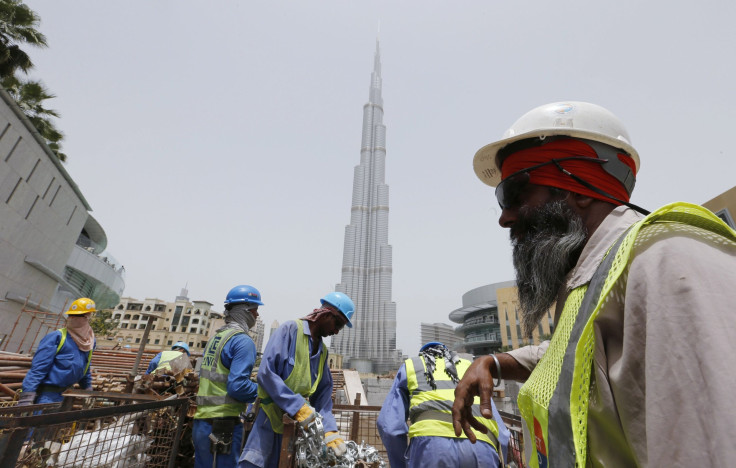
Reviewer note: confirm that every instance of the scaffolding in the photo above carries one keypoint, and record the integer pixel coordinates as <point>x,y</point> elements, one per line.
<point>50,320</point>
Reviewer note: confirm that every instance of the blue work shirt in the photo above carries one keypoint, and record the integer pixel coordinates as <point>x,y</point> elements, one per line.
<point>264,446</point>
<point>429,451</point>
<point>62,369</point>
<point>239,355</point>
<point>154,363</point>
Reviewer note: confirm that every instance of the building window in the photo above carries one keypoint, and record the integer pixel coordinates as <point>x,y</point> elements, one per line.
<point>173,329</point>
<point>141,326</point>
<point>128,339</point>
<point>148,308</point>
<point>196,312</point>
<point>156,342</point>
<point>127,317</point>
<point>136,317</point>
<point>116,317</point>
<point>193,330</point>
<point>169,342</point>
<point>725,215</point>
<point>137,340</point>
<point>123,325</point>
<point>120,306</point>
<point>195,321</point>
<point>177,314</point>
<point>191,343</point>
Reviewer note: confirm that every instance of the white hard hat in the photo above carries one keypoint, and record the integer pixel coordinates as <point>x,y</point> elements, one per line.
<point>570,118</point>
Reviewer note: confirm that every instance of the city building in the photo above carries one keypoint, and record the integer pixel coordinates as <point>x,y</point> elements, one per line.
<point>724,206</point>
<point>367,258</point>
<point>193,322</point>
<point>440,332</point>
<point>491,322</point>
<point>52,250</point>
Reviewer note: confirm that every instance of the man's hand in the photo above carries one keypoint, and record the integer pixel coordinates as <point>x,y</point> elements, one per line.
<point>305,415</point>
<point>477,381</point>
<point>336,443</point>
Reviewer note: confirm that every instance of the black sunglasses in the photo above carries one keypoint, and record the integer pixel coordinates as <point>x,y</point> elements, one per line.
<point>509,191</point>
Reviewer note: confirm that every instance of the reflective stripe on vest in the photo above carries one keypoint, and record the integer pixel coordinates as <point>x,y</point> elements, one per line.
<point>300,378</point>
<point>63,340</point>
<point>554,400</point>
<point>430,410</point>
<point>164,361</point>
<point>212,398</point>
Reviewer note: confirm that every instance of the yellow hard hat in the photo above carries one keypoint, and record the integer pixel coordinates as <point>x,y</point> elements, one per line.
<point>81,306</point>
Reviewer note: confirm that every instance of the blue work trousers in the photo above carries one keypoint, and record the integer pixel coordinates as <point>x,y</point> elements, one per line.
<point>203,458</point>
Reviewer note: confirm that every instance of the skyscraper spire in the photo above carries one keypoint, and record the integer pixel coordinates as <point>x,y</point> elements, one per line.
<point>367,258</point>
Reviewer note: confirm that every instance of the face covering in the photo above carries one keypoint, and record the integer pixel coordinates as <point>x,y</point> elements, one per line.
<point>239,317</point>
<point>78,328</point>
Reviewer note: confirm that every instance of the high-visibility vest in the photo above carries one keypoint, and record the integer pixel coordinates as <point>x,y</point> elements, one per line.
<point>164,362</point>
<point>430,410</point>
<point>299,380</point>
<point>63,340</point>
<point>554,400</point>
<point>212,398</point>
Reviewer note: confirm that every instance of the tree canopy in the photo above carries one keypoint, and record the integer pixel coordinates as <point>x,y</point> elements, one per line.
<point>18,25</point>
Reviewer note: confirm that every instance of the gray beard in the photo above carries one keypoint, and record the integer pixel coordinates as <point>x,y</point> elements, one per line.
<point>547,242</point>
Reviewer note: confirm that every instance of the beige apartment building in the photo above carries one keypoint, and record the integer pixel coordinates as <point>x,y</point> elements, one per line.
<point>192,322</point>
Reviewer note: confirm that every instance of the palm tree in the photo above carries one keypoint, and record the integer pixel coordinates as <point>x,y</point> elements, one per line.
<point>30,96</point>
<point>17,25</point>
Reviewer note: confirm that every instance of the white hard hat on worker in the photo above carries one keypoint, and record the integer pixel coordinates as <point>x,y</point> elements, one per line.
<point>582,133</point>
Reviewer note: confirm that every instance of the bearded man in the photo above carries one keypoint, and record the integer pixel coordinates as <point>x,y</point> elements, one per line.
<point>631,376</point>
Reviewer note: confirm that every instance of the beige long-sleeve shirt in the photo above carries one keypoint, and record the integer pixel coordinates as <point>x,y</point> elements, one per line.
<point>664,380</point>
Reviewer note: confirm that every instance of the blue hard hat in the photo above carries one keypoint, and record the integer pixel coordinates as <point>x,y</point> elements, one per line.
<point>182,345</point>
<point>243,294</point>
<point>342,303</point>
<point>431,344</point>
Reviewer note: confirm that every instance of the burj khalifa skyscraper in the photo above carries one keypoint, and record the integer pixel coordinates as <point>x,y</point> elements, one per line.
<point>370,346</point>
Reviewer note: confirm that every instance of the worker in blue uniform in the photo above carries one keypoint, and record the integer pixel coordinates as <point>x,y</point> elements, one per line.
<point>423,394</point>
<point>162,359</point>
<point>225,387</point>
<point>62,358</point>
<point>294,378</point>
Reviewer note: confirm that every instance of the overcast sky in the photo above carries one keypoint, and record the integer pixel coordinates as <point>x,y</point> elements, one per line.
<point>215,141</point>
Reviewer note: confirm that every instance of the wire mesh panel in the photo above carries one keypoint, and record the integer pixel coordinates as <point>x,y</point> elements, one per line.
<point>105,432</point>
<point>516,442</point>
<point>358,423</point>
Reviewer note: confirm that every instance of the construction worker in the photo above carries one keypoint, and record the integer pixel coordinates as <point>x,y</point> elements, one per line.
<point>62,358</point>
<point>225,387</point>
<point>422,393</point>
<point>163,359</point>
<point>634,373</point>
<point>293,378</point>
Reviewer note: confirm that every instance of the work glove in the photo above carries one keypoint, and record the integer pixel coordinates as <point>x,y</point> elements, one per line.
<point>305,415</point>
<point>336,443</point>
<point>26,398</point>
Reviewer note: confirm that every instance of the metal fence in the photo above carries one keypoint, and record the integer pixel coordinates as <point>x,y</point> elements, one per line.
<point>358,423</point>
<point>93,429</point>
<point>515,452</point>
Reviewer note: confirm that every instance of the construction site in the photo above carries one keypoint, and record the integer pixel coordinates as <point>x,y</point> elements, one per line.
<point>136,420</point>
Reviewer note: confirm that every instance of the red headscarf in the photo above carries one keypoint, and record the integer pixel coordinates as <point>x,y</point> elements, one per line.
<point>551,176</point>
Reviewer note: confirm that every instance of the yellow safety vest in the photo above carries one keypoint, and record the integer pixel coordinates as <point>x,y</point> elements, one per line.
<point>212,398</point>
<point>299,380</point>
<point>430,410</point>
<point>164,361</point>
<point>554,400</point>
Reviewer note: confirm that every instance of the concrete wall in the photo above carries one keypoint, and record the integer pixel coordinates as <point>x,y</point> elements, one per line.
<point>42,214</point>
